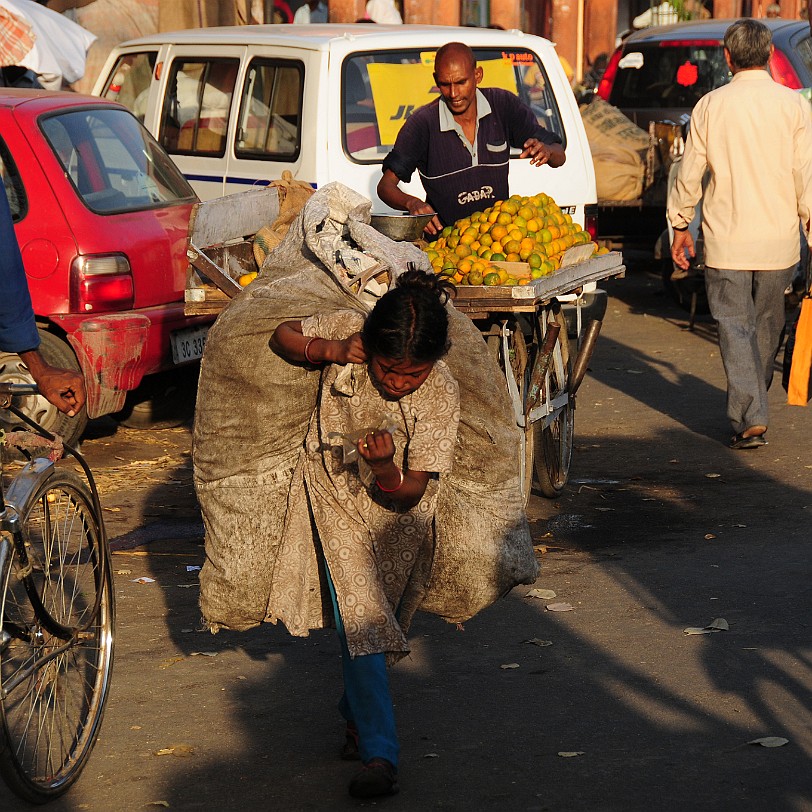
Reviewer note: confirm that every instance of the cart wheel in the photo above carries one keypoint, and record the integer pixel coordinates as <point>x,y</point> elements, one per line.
<point>553,444</point>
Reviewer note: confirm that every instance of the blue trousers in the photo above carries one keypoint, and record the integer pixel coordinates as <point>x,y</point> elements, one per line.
<point>366,702</point>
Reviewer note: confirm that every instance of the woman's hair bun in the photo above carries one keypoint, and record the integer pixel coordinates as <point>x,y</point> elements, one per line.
<point>441,286</point>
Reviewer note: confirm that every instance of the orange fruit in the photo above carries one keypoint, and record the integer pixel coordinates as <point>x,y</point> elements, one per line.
<point>491,279</point>
<point>497,257</point>
<point>498,231</point>
<point>504,218</point>
<point>512,246</point>
<point>463,250</point>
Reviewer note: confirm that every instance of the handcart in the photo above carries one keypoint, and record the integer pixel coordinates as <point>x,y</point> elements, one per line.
<point>526,329</point>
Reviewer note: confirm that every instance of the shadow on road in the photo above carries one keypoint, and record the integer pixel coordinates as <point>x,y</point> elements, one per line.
<point>661,528</point>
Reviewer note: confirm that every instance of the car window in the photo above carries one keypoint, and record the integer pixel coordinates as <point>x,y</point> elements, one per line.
<point>129,82</point>
<point>665,75</point>
<point>196,109</point>
<point>13,184</point>
<point>113,162</point>
<point>270,118</point>
<point>380,90</point>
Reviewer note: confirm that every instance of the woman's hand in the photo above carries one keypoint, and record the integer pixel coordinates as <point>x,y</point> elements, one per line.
<point>346,351</point>
<point>378,449</point>
<point>404,488</point>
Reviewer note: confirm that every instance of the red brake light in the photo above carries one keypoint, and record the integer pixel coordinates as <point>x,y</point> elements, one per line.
<point>591,220</point>
<point>99,284</point>
<point>783,72</point>
<point>691,43</point>
<point>608,78</point>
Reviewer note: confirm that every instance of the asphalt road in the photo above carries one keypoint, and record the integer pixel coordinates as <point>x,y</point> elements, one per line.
<point>661,528</point>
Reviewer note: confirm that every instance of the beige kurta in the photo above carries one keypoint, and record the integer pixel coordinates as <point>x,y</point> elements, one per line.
<point>755,137</point>
<point>379,557</point>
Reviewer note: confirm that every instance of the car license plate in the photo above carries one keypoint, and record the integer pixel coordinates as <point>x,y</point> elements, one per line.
<point>188,344</point>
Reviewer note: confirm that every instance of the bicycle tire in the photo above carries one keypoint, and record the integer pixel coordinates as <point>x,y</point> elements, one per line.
<point>51,719</point>
<point>553,443</point>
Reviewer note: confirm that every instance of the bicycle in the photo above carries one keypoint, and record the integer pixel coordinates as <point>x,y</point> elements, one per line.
<point>57,617</point>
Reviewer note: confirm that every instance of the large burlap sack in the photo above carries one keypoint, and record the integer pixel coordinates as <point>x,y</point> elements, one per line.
<point>605,124</point>
<point>293,194</point>
<point>619,173</point>
<point>618,149</point>
<point>483,545</point>
<point>252,416</point>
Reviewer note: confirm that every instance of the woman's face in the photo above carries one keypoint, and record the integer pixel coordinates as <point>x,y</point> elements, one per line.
<point>398,378</point>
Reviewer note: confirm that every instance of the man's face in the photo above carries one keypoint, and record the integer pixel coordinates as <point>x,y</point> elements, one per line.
<point>456,80</point>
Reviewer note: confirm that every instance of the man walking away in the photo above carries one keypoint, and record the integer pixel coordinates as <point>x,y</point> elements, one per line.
<point>754,137</point>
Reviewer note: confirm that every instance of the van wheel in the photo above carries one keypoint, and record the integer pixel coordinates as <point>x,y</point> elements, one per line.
<point>162,401</point>
<point>57,353</point>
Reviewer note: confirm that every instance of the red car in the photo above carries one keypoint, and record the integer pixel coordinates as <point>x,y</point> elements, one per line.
<point>101,215</point>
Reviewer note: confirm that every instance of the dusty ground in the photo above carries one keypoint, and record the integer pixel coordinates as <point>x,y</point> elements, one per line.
<point>662,528</point>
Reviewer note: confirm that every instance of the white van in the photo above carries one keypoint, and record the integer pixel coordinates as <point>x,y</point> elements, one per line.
<point>237,106</point>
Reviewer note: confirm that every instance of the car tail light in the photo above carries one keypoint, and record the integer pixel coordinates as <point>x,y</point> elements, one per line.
<point>608,78</point>
<point>102,283</point>
<point>591,220</point>
<point>783,72</point>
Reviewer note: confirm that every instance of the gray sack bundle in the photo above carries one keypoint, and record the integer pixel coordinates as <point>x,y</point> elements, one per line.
<point>253,412</point>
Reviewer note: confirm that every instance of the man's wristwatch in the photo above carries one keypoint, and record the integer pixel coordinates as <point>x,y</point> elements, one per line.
<point>680,228</point>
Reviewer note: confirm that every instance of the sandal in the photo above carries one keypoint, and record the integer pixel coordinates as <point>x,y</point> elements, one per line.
<point>376,777</point>
<point>351,749</point>
<point>741,442</point>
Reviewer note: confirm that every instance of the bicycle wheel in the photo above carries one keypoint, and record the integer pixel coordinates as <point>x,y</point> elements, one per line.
<point>54,690</point>
<point>553,444</point>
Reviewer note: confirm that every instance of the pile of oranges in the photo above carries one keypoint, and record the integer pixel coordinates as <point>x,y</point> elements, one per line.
<point>529,230</point>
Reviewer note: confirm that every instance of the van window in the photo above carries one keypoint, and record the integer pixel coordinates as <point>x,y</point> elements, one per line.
<point>381,90</point>
<point>270,119</point>
<point>665,75</point>
<point>114,164</point>
<point>129,82</point>
<point>197,105</point>
<point>13,185</point>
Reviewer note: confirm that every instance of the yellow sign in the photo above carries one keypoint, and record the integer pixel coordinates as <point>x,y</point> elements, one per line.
<point>398,90</point>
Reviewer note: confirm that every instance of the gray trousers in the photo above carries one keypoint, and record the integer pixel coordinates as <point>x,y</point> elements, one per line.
<point>749,309</point>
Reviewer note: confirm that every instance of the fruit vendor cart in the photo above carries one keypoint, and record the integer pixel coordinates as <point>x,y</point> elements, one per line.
<point>527,332</point>
<point>523,324</point>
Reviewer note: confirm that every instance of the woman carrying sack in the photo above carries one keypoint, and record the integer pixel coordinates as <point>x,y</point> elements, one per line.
<point>388,395</point>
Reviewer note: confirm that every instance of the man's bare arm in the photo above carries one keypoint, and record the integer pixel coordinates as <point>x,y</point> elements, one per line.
<point>390,193</point>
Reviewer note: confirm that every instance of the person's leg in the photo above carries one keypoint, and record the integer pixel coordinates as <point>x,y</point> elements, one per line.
<point>366,702</point>
<point>768,297</point>
<point>730,297</point>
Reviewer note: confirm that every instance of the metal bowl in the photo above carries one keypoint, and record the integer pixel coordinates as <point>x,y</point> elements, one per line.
<point>406,227</point>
